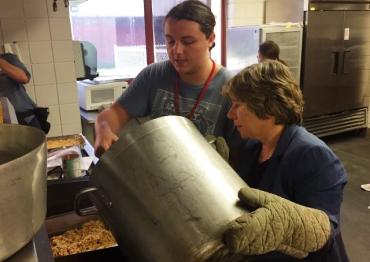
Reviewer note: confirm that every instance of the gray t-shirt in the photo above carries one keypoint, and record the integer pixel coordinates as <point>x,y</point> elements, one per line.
<point>152,94</point>
<point>14,91</point>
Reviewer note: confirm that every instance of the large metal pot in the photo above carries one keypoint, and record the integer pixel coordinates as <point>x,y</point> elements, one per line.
<point>22,186</point>
<point>165,192</point>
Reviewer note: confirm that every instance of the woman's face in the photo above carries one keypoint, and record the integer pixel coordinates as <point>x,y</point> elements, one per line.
<point>247,123</point>
<point>187,45</point>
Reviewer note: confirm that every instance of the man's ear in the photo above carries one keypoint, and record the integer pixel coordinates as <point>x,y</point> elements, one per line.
<point>211,40</point>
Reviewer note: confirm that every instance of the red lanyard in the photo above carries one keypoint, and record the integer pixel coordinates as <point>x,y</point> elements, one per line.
<point>200,96</point>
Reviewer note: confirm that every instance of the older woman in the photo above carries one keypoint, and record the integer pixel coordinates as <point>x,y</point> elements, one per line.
<point>296,180</point>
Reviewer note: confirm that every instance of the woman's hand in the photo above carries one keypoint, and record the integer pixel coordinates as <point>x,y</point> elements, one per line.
<point>276,224</point>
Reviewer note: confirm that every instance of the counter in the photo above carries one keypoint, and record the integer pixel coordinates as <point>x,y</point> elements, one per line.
<point>37,250</point>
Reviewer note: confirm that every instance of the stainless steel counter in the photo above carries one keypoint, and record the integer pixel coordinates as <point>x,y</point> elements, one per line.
<point>38,250</point>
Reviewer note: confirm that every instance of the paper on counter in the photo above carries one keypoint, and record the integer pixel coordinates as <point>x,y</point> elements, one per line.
<point>55,157</point>
<point>86,162</point>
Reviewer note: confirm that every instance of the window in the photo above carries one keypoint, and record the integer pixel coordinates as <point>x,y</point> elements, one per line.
<point>117,29</point>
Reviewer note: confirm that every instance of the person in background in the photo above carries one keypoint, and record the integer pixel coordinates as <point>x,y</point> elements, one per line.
<point>269,50</point>
<point>296,181</point>
<point>13,76</point>
<point>188,84</point>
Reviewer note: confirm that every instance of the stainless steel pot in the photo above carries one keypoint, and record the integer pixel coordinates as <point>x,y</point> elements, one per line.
<point>22,186</point>
<point>165,192</point>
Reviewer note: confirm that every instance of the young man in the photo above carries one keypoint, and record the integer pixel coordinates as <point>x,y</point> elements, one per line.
<point>188,84</point>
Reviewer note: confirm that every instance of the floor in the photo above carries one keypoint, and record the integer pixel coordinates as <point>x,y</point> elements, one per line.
<point>354,151</point>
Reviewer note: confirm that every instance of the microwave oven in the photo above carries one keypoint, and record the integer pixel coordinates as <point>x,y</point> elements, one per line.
<point>93,94</point>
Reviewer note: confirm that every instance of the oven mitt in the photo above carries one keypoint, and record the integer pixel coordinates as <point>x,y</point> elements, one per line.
<point>220,145</point>
<point>276,224</point>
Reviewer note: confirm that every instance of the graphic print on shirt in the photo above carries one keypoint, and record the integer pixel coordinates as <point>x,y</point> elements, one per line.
<point>205,116</point>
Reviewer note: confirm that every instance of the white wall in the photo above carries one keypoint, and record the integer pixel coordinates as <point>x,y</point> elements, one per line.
<point>284,11</point>
<point>245,12</point>
<point>256,12</point>
<point>45,41</point>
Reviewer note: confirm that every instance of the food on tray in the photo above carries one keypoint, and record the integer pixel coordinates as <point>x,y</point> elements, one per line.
<point>64,141</point>
<point>90,236</point>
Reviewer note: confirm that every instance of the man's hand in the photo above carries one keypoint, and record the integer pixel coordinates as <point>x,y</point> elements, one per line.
<point>277,224</point>
<point>107,125</point>
<point>219,143</point>
<point>104,138</point>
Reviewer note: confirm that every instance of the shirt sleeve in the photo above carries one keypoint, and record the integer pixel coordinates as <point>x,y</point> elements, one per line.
<point>14,60</point>
<point>135,100</point>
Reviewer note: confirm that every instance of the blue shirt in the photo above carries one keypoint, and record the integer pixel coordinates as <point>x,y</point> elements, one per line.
<point>14,91</point>
<point>152,94</point>
<point>304,170</point>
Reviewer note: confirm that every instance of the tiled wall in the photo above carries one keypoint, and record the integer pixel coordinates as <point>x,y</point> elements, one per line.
<point>45,40</point>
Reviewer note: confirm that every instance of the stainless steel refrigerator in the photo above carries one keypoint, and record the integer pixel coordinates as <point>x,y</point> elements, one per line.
<point>335,75</point>
<point>243,43</point>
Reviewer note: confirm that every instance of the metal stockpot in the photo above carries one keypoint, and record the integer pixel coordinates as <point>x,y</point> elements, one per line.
<point>164,191</point>
<point>22,186</point>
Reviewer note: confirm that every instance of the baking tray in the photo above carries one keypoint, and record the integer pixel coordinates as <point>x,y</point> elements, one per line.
<point>65,141</point>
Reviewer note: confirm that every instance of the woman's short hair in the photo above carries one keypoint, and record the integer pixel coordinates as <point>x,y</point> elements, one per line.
<point>268,89</point>
<point>195,11</point>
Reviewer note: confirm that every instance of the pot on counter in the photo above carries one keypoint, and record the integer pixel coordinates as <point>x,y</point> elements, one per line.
<point>164,191</point>
<point>22,186</point>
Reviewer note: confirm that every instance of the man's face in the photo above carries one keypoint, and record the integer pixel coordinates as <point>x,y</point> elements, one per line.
<point>187,45</point>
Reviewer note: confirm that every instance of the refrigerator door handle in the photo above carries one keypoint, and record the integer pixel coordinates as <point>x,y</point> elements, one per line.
<point>335,62</point>
<point>344,66</point>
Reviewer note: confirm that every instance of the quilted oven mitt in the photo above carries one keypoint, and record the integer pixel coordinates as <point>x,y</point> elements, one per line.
<point>219,143</point>
<point>276,224</point>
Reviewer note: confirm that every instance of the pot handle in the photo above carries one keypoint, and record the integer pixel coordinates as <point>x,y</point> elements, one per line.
<point>86,211</point>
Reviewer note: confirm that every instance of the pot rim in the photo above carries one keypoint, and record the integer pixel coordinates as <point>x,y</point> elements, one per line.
<point>41,142</point>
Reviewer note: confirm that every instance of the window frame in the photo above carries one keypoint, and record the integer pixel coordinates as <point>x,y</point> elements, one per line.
<point>149,34</point>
